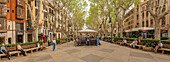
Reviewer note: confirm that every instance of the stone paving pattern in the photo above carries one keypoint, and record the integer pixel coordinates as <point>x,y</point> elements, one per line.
<point>107,52</point>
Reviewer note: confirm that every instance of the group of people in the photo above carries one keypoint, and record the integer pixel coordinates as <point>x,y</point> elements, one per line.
<point>135,42</point>
<point>19,48</point>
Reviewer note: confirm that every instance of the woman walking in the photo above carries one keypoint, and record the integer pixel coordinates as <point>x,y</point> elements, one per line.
<point>54,43</point>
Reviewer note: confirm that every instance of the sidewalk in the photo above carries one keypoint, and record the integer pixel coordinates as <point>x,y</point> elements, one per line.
<point>107,52</point>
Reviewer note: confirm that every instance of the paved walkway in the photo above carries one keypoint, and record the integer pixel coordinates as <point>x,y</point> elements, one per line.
<point>105,53</point>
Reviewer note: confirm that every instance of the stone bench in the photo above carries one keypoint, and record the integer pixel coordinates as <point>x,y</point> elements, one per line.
<point>31,49</point>
<point>139,46</point>
<point>163,50</point>
<point>11,53</point>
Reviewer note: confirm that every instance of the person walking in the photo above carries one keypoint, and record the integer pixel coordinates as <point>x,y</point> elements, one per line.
<point>97,40</point>
<point>54,43</point>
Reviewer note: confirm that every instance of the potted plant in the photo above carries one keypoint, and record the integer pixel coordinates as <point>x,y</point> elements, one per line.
<point>148,47</point>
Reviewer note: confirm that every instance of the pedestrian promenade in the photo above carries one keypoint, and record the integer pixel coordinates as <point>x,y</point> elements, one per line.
<point>107,52</point>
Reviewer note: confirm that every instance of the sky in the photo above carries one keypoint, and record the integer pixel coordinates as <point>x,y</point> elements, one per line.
<point>88,8</point>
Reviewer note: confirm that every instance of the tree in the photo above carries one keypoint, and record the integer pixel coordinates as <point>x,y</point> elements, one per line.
<point>160,12</point>
<point>35,22</point>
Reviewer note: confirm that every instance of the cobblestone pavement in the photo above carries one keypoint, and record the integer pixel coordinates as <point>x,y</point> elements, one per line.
<point>107,52</point>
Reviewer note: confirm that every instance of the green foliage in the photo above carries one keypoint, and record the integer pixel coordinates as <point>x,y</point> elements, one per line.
<point>149,44</point>
<point>10,45</point>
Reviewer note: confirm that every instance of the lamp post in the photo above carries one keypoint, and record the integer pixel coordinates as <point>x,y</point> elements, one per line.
<point>110,22</point>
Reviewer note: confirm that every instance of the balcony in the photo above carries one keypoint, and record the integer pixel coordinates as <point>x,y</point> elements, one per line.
<point>20,3</point>
<point>3,24</point>
<point>3,12</point>
<point>3,1</point>
<point>20,13</point>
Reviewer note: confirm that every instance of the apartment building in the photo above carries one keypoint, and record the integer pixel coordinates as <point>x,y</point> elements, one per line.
<point>12,21</point>
<point>139,18</point>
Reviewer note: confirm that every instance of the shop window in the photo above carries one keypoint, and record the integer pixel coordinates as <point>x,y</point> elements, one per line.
<point>20,2</point>
<point>3,10</point>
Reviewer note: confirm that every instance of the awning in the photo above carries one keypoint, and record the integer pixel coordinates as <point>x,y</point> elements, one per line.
<point>87,31</point>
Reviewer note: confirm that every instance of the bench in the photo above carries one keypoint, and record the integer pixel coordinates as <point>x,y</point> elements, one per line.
<point>11,53</point>
<point>163,50</point>
<point>139,46</point>
<point>31,49</point>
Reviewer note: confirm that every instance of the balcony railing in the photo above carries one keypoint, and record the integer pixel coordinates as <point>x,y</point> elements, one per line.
<point>3,24</point>
<point>3,8</point>
<point>20,2</point>
<point>2,1</point>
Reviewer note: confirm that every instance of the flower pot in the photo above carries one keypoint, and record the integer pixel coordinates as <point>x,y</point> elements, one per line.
<point>147,48</point>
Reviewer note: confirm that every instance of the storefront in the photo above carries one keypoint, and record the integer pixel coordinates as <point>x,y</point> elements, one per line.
<point>2,37</point>
<point>19,32</point>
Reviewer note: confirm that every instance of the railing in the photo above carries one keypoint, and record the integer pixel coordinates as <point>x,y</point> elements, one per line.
<point>2,1</point>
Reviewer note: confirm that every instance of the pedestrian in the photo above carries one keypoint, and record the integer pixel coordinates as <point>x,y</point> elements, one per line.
<point>97,40</point>
<point>4,51</point>
<point>21,49</point>
<point>54,43</point>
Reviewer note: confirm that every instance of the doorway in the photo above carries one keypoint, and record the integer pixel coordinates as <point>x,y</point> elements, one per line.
<point>20,38</point>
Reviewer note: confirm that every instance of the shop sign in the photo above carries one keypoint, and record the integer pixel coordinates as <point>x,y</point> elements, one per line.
<point>144,31</point>
<point>163,30</point>
<point>20,33</point>
<point>2,34</point>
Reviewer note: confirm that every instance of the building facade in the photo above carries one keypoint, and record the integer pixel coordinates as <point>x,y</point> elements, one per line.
<point>139,18</point>
<point>12,21</point>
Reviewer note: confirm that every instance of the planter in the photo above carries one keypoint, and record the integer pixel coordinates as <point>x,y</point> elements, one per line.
<point>25,46</point>
<point>11,48</point>
<point>32,45</point>
<point>147,48</point>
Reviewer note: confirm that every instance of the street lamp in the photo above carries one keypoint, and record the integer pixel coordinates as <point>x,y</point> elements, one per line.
<point>110,22</point>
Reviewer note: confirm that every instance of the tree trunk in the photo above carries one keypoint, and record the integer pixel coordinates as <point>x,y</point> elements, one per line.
<point>121,29</point>
<point>157,29</point>
<point>35,34</point>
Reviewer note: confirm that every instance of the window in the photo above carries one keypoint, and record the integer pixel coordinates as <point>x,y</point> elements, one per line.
<point>45,15</point>
<point>36,12</point>
<point>164,8</point>
<point>163,21</point>
<point>28,14</point>
<point>44,7</point>
<point>36,3</point>
<point>3,10</point>
<point>151,22</point>
<point>20,13</point>
<point>19,26</point>
<point>143,8</point>
<point>45,23</point>
<point>3,23</point>
<point>20,2</point>
<point>147,23</point>
<point>143,15</point>
<point>147,13</point>
<point>137,17</point>
<point>143,24</point>
<point>29,2</point>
